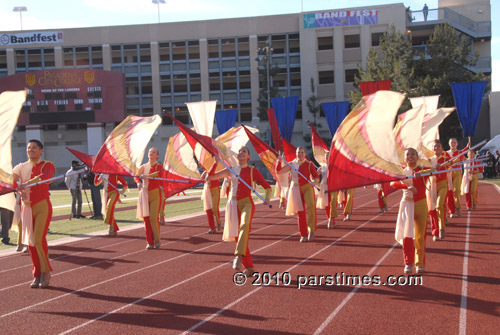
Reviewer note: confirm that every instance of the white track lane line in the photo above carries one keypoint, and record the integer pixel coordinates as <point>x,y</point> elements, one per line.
<point>351,294</point>
<point>128,273</point>
<point>462,328</point>
<point>205,272</point>
<point>225,308</point>
<point>105,246</point>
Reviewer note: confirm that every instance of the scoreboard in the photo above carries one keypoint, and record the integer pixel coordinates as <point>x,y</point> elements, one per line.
<point>69,96</point>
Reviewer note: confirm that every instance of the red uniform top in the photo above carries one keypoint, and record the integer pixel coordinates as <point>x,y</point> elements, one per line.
<point>154,183</point>
<point>307,169</point>
<point>214,183</point>
<point>243,191</point>
<point>456,153</point>
<point>441,159</point>
<point>477,169</point>
<point>418,183</point>
<point>44,170</point>
<point>113,180</point>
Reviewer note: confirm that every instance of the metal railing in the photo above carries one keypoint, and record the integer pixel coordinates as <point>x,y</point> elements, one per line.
<point>466,25</point>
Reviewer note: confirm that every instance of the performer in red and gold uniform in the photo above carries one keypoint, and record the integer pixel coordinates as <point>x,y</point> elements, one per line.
<point>470,179</point>
<point>412,215</point>
<point>240,208</point>
<point>301,193</point>
<point>36,210</point>
<point>211,201</point>
<point>111,198</point>
<point>456,177</point>
<point>150,200</point>
<point>440,157</point>
<point>348,203</point>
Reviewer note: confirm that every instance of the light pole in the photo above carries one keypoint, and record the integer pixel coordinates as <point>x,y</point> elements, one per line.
<point>158,2</point>
<point>20,9</point>
<point>265,55</point>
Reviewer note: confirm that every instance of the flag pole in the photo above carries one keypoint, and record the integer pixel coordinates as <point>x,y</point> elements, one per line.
<point>51,179</point>
<point>298,172</point>
<point>241,179</point>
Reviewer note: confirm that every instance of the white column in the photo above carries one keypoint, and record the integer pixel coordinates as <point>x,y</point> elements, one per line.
<point>95,137</point>
<point>34,133</point>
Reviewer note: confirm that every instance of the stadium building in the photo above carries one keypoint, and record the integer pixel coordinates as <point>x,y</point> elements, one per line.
<point>84,81</point>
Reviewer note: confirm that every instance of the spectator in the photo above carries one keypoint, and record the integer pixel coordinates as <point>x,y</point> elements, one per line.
<point>7,203</point>
<point>74,184</point>
<point>490,164</point>
<point>497,157</point>
<point>425,11</point>
<point>95,194</point>
<point>408,14</point>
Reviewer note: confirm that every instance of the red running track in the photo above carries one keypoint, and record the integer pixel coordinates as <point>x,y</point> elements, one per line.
<point>113,285</point>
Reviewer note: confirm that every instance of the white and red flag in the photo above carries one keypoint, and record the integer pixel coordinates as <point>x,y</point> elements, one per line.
<point>318,146</point>
<point>363,150</point>
<point>123,150</point>
<point>11,103</point>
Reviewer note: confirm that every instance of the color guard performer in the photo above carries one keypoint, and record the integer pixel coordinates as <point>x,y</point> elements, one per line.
<point>36,209</point>
<point>150,200</point>
<point>440,156</point>
<point>111,198</point>
<point>469,181</point>
<point>412,215</point>
<point>240,208</point>
<point>211,201</point>
<point>348,203</point>
<point>301,193</point>
<point>456,176</point>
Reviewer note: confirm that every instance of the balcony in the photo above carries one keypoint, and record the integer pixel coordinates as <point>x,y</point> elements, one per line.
<point>477,30</point>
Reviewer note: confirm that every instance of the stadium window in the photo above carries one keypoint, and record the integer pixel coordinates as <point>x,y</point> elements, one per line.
<point>326,77</point>
<point>352,41</point>
<point>325,43</point>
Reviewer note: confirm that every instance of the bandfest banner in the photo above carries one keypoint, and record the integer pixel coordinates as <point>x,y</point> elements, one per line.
<point>341,18</point>
<point>32,38</point>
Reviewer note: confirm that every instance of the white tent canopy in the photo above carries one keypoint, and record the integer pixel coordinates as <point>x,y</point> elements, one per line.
<point>492,145</point>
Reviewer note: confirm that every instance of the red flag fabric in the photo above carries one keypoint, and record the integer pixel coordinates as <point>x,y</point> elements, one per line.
<point>363,150</point>
<point>85,158</point>
<point>275,131</point>
<point>123,150</point>
<point>178,166</point>
<point>318,146</point>
<point>370,87</point>
<point>289,150</point>
<point>266,153</point>
<point>193,138</point>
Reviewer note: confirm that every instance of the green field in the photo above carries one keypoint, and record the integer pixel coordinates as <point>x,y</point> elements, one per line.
<point>61,203</point>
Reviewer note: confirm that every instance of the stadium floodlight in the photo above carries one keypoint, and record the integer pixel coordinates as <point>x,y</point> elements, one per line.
<point>158,2</point>
<point>20,9</point>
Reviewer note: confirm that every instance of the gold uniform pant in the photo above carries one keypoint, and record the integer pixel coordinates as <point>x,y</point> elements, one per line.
<point>307,217</point>
<point>420,223</point>
<point>42,214</point>
<point>109,218</point>
<point>246,209</point>
<point>152,222</point>
<point>442,189</point>
<point>333,204</point>
<point>457,182</point>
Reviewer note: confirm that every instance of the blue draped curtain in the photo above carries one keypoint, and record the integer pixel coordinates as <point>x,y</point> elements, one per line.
<point>285,110</point>
<point>468,98</point>
<point>335,113</point>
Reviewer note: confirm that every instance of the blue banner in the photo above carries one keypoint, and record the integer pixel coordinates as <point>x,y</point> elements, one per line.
<point>225,120</point>
<point>285,110</point>
<point>335,113</point>
<point>468,99</point>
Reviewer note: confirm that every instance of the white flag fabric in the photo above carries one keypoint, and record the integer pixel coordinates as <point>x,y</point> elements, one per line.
<point>203,114</point>
<point>11,103</point>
